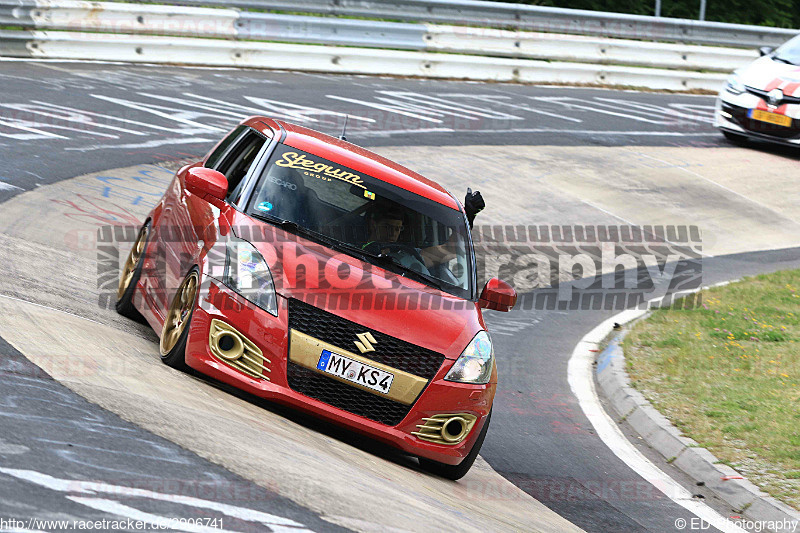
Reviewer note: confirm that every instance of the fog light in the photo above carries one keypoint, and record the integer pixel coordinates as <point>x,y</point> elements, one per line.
<point>231,347</point>
<point>446,429</point>
<point>453,430</point>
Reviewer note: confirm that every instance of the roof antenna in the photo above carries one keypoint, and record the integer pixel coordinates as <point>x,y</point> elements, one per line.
<point>344,129</point>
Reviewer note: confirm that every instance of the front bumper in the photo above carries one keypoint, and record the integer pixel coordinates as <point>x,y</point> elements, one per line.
<point>271,335</point>
<point>731,114</point>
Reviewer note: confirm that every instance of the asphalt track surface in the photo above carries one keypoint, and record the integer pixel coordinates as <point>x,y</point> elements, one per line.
<point>59,120</point>
<point>540,439</point>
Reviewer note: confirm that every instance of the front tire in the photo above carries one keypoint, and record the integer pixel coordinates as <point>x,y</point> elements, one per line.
<point>456,472</point>
<point>175,332</point>
<point>129,277</point>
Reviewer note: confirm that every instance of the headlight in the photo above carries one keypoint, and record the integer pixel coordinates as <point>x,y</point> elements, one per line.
<point>475,363</point>
<point>247,273</point>
<point>734,85</point>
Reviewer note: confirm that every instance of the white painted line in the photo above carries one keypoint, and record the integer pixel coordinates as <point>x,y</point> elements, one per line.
<point>596,132</point>
<point>146,108</point>
<point>653,109</point>
<point>101,115</point>
<point>239,114</point>
<point>386,107</point>
<point>303,111</point>
<point>16,125</point>
<point>695,108</point>
<point>72,487</point>
<point>35,109</point>
<point>447,106</point>
<point>562,100</point>
<point>493,99</point>
<point>118,509</point>
<point>147,144</point>
<point>387,133</point>
<point>45,60</point>
<point>271,110</point>
<point>581,381</point>
<point>8,187</point>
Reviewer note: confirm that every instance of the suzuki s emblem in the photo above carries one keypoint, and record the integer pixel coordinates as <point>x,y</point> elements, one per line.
<point>365,342</point>
<point>774,97</point>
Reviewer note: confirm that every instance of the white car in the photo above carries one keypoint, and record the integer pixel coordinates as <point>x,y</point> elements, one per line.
<point>762,100</point>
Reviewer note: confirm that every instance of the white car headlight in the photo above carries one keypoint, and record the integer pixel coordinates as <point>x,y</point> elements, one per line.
<point>734,85</point>
<point>475,363</point>
<point>247,273</point>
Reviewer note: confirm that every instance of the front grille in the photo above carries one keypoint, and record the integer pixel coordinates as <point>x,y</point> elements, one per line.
<point>739,115</point>
<point>345,397</point>
<point>764,95</point>
<point>340,332</point>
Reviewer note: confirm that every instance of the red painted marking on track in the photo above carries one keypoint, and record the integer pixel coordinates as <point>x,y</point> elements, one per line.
<point>98,211</point>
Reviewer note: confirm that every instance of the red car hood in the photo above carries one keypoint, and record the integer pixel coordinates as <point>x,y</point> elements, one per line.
<point>352,288</point>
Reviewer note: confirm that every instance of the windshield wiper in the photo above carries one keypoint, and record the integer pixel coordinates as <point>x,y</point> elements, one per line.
<point>391,261</point>
<point>293,226</point>
<point>284,224</point>
<point>783,60</point>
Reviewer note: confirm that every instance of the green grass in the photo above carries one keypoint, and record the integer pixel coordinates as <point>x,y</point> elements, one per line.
<point>728,375</point>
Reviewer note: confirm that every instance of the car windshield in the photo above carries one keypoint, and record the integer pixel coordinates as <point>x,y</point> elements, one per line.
<point>789,52</point>
<point>366,217</point>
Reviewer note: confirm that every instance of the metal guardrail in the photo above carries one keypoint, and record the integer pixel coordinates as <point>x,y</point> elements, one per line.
<point>119,18</point>
<point>526,17</point>
<point>229,37</point>
<point>70,15</point>
<point>348,32</point>
<point>314,58</point>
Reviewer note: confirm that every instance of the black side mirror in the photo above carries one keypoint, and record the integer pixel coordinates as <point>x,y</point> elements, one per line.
<point>764,50</point>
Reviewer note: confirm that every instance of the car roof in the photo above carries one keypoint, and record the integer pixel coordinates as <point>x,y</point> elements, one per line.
<point>360,160</point>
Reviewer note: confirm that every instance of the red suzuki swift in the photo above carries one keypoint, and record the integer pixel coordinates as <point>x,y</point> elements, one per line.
<point>309,271</point>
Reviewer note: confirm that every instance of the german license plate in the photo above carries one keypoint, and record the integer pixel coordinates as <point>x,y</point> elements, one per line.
<point>772,118</point>
<point>355,371</point>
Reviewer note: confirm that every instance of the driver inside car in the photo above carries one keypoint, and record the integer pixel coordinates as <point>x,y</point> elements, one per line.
<point>385,225</point>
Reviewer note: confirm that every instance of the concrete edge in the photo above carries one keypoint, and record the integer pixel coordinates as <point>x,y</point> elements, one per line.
<point>698,463</point>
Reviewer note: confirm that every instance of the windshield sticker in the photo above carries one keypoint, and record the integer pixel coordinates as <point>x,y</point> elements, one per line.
<point>282,183</point>
<point>370,195</point>
<point>300,161</point>
<point>264,206</point>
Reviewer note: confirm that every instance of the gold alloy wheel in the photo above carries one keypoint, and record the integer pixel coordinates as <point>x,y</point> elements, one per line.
<point>178,314</point>
<point>133,259</point>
